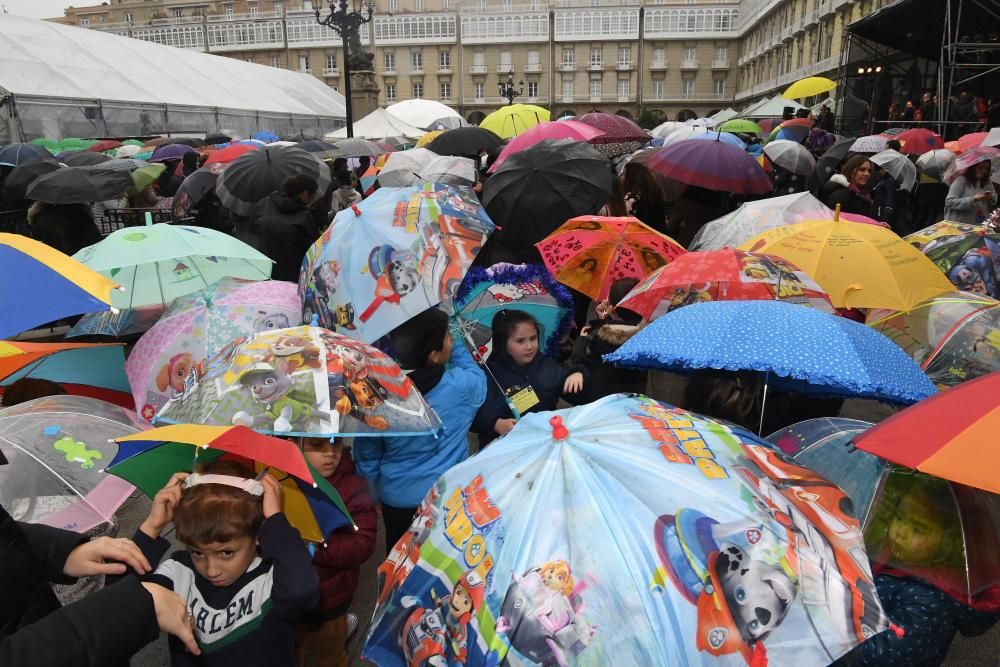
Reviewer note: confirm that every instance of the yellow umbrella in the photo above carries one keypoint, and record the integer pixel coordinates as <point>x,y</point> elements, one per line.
<point>859,265</point>
<point>809,86</point>
<point>428,137</point>
<point>514,119</point>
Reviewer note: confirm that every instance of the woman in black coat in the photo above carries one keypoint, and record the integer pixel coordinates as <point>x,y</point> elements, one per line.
<point>849,188</point>
<point>283,226</point>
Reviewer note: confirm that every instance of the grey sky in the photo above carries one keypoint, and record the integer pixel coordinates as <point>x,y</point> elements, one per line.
<point>39,9</point>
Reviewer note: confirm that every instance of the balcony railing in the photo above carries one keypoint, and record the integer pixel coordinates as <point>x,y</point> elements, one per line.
<point>567,67</point>
<point>217,18</point>
<point>444,69</point>
<point>505,68</point>
<point>624,66</point>
<point>389,70</point>
<point>416,69</point>
<point>689,63</point>
<point>595,67</point>
<point>331,71</point>
<point>658,65</point>
<point>533,68</point>
<point>720,63</point>
<point>502,101</point>
<point>477,69</point>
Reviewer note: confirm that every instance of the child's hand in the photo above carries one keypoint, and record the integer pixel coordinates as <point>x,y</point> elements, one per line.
<point>164,503</point>
<point>504,426</point>
<point>573,383</point>
<point>272,496</point>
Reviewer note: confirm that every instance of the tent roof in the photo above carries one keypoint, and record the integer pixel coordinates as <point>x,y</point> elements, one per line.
<point>723,115</point>
<point>772,108</point>
<point>40,59</point>
<point>379,124</point>
<point>894,25</point>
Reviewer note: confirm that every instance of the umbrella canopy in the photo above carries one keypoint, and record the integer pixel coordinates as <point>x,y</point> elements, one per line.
<point>393,256</point>
<point>265,136</point>
<point>465,141</point>
<point>935,163</point>
<point>874,143</point>
<point>82,159</point>
<point>15,186</point>
<point>829,163</point>
<point>725,137</point>
<point>965,253</point>
<point>684,132</point>
<point>954,337</point>
<point>536,188</point>
<point>810,86</point>
<point>171,152</point>
<point>117,324</point>
<point>56,448</point>
<point>12,155</point>
<point>128,150</point>
<point>638,554</point>
<point>304,381</point>
<point>104,145</point>
<point>403,168</point>
<point>75,185</point>
<point>194,330</point>
<point>317,146</point>
<point>570,129</point>
<point>713,165</point>
<point>448,123</point>
<point>513,119</point>
<point>419,112</point>
<point>378,124</point>
<point>51,145</point>
<point>617,129</point>
<point>526,287</point>
<point>399,143</point>
<point>859,265</point>
<point>755,217</point>
<point>966,141</point>
<point>97,366</point>
<point>357,147</point>
<point>158,263</point>
<point>898,166</point>
<point>794,129</point>
<point>970,158</point>
<point>251,177</point>
<point>50,284</point>
<point>428,137</point>
<point>589,253</point>
<point>800,349</point>
<point>919,140</point>
<point>449,170</point>
<point>741,126</point>
<point>790,155</point>
<point>218,139</point>
<point>194,188</point>
<point>149,459</point>
<point>723,275</point>
<point>664,129</point>
<point>230,153</point>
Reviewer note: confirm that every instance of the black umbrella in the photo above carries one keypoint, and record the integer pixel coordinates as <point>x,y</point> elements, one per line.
<point>317,146</point>
<point>251,177</point>
<point>543,186</point>
<point>194,188</point>
<point>12,155</point>
<point>464,141</point>
<point>218,139</point>
<point>80,185</point>
<point>189,141</point>
<point>15,186</point>
<point>82,159</point>
<point>301,135</point>
<point>828,164</point>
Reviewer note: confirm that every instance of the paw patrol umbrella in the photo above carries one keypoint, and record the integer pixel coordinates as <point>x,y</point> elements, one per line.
<point>626,532</point>
<point>394,255</point>
<point>967,254</point>
<point>300,381</point>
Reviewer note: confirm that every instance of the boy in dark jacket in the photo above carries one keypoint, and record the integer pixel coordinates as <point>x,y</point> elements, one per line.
<point>321,638</point>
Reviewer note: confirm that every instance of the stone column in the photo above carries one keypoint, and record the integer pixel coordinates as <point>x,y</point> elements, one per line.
<point>364,93</point>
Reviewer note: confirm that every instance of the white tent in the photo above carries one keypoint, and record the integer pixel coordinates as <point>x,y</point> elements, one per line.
<point>770,108</point>
<point>723,115</point>
<point>420,113</point>
<point>67,81</point>
<point>379,124</point>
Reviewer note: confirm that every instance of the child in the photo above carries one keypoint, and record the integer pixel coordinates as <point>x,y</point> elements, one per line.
<point>531,381</point>
<point>321,637</point>
<point>401,469</point>
<point>245,577</point>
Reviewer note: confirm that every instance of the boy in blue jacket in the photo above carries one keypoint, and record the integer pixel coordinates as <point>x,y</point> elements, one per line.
<point>401,469</point>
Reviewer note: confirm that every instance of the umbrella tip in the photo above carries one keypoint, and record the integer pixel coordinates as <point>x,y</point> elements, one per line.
<point>559,430</point>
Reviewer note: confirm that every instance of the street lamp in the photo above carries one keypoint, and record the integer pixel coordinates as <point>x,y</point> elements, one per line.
<point>348,25</point>
<point>507,90</point>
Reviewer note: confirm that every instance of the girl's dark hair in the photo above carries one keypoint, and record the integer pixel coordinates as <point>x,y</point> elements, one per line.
<point>414,340</point>
<point>616,204</point>
<point>851,165</point>
<point>970,175</point>
<point>214,513</point>
<point>504,323</point>
<point>641,183</point>
<point>733,396</point>
<point>295,185</point>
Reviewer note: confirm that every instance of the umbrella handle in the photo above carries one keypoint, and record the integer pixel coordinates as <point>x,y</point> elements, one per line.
<point>149,219</point>
<point>482,364</point>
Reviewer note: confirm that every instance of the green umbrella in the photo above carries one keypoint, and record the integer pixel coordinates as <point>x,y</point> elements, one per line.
<point>74,144</point>
<point>51,145</point>
<point>741,126</point>
<point>132,142</point>
<point>158,263</point>
<point>143,177</point>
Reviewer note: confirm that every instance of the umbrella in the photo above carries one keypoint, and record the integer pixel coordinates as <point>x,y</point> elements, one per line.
<point>50,284</point>
<point>317,146</point>
<point>194,188</point>
<point>448,123</point>
<point>965,253</point>
<point>193,332</point>
<point>230,153</point>
<point>12,155</point>
<point>465,141</point>
<point>948,435</point>
<point>399,143</point>
<point>75,185</point>
<point>428,137</point>
<point>538,188</point>
<point>218,139</point>
<point>723,275</point>
<point>75,144</point>
<point>725,137</point>
<point>614,533</point>
<point>171,152</point>
<point>158,263</point>
<point>526,287</point>
<point>571,129</point>
<point>898,166</point>
<point>741,126</point>
<point>393,256</point>
<point>828,163</point>
<point>51,145</point>
<point>799,349</point>
<point>357,147</point>
<point>82,159</point>
<point>266,137</point>
<point>253,176</point>
<point>104,145</point>
<point>449,170</point>
<point>118,324</point>
<point>954,337</point>
<point>754,217</point>
<point>419,112</point>
<point>915,525</point>
<point>304,381</point>
<point>713,165</point>
<point>809,87</point>
<point>874,143</point>
<point>149,459</point>
<point>129,165</point>
<point>56,447</point>
<point>969,158</point>
<point>664,129</point>
<point>88,366</point>
<point>15,186</point>
<point>967,141</point>
<point>589,253</point>
<point>935,163</point>
<point>513,119</point>
<point>684,132</point>
<point>791,156</point>
<point>616,129</point>
<point>794,129</point>
<point>402,169</point>
<point>859,266</point>
<point>919,140</point>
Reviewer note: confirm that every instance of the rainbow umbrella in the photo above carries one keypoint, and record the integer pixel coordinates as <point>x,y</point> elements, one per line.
<point>150,458</point>
<point>64,363</point>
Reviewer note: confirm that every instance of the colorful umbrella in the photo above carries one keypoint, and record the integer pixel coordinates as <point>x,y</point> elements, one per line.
<point>740,126</point>
<point>303,381</point>
<point>684,132</point>
<point>393,256</point>
<point>796,129</point>
<point>791,155</point>
<point>966,141</point>
<point>800,349</point>
<point>465,141</point>
<point>12,155</point>
<point>194,330</point>
<point>954,337</point>
<point>513,119</point>
<point>713,165</point>
<point>590,252</point>
<point>621,135</point>
<point>967,254</point>
<point>859,266</point>
<point>104,145</point>
<point>118,324</point>
<point>919,140</point>
<point>428,137</point>
<point>230,153</point>
<point>755,217</point>
<point>56,447</point>
<point>626,532</point>
<point>935,163</point>
<point>51,145</point>
<point>571,129</point>
<point>311,504</point>
<point>99,366</point>
<point>723,275</point>
<point>265,136</point>
<point>158,263</point>
<point>809,87</point>
<point>167,152</point>
<point>42,284</point>
<point>526,287</point>
<point>254,175</point>
<point>725,137</point>
<point>874,143</point>
<point>969,158</point>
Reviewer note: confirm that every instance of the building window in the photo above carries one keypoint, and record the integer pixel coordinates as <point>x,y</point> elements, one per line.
<point>84,23</point>
<point>536,4</point>
<point>596,55</point>
<point>178,13</point>
<point>659,55</point>
<point>568,57</point>
<point>506,61</point>
<point>254,9</point>
<point>279,8</point>
<point>420,5</point>
<point>418,90</point>
<point>690,53</point>
<point>389,61</point>
<point>393,6</point>
<point>479,58</point>
<point>657,89</point>
<point>390,92</point>
<point>507,5</point>
<point>532,57</point>
<point>331,61</point>
<point>482,5</point>
<point>721,53</point>
<point>445,4</point>
<point>624,56</point>
<point>567,89</point>
<point>595,89</point>
<point>622,88</point>
<point>303,63</point>
<point>416,61</point>
<point>533,89</point>
<point>444,59</point>
<point>307,5</point>
<point>719,87</point>
<point>275,62</point>
<point>444,88</point>
<point>687,88</point>
<point>478,90</point>
<point>228,8</point>
<point>129,17</point>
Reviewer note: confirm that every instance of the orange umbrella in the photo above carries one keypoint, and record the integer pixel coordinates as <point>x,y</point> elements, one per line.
<point>80,368</point>
<point>965,142</point>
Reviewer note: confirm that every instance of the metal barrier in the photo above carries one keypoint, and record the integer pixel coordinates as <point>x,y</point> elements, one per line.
<point>119,218</point>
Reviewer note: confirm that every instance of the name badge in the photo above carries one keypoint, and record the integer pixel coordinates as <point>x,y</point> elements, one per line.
<point>525,399</point>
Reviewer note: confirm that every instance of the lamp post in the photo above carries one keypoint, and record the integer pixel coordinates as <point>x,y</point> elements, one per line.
<point>507,90</point>
<point>347,24</point>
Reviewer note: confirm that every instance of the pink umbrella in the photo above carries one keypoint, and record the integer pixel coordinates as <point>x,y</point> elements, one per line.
<point>968,158</point>
<point>617,129</point>
<point>566,129</point>
<point>864,219</point>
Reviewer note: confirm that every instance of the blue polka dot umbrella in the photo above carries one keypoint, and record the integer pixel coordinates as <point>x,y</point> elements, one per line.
<point>802,350</point>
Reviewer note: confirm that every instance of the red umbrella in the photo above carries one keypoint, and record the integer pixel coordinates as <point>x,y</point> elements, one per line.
<point>230,153</point>
<point>798,122</point>
<point>971,140</point>
<point>713,165</point>
<point>616,129</point>
<point>104,145</point>
<point>767,124</point>
<point>918,141</point>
